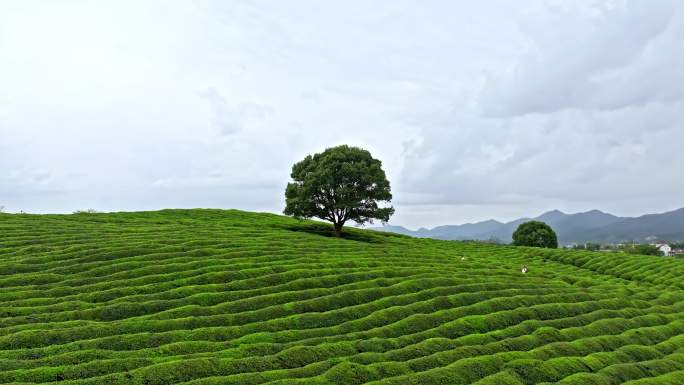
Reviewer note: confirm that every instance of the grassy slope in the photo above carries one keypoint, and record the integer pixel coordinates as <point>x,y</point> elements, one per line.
<point>229,297</point>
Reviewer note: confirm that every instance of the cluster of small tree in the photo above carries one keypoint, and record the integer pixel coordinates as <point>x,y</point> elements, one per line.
<point>495,240</point>
<point>642,249</point>
<point>88,211</point>
<point>591,246</point>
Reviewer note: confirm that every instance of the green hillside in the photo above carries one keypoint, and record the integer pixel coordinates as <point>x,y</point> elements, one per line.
<point>230,297</point>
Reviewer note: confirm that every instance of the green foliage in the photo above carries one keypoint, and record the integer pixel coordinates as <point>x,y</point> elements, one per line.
<point>208,297</point>
<point>535,234</point>
<point>340,184</point>
<point>593,246</point>
<point>643,249</point>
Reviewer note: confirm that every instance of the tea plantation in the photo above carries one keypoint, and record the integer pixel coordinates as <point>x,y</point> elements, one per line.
<point>208,297</point>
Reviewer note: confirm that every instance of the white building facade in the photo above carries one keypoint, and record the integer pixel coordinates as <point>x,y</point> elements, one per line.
<point>664,248</point>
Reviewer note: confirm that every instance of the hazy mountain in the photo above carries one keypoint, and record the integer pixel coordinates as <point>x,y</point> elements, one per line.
<point>398,230</point>
<point>465,231</point>
<point>667,226</point>
<point>594,226</point>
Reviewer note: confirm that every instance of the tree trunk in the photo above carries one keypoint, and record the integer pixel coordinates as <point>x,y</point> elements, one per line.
<point>338,229</point>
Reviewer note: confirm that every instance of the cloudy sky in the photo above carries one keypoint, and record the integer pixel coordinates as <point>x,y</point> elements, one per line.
<point>478,109</point>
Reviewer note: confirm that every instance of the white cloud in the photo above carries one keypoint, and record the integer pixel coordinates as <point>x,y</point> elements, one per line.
<point>611,55</point>
<point>622,160</point>
<point>486,109</point>
<point>229,120</point>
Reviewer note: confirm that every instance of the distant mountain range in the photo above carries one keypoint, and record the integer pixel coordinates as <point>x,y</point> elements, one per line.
<point>590,226</point>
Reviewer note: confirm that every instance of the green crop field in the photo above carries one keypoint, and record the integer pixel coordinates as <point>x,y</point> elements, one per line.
<point>231,297</point>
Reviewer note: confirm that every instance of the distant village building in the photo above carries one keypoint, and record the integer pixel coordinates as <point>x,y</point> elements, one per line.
<point>676,251</point>
<point>664,248</point>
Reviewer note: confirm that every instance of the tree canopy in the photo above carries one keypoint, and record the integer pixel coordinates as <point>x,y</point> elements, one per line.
<point>535,234</point>
<point>340,184</point>
<point>643,249</point>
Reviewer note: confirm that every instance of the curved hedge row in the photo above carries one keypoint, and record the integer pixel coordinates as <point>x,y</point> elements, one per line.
<point>209,297</point>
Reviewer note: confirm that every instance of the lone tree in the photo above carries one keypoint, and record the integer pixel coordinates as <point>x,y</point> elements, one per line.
<point>340,184</point>
<point>535,234</point>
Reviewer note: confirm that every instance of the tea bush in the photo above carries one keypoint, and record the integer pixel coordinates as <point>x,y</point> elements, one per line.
<point>208,297</point>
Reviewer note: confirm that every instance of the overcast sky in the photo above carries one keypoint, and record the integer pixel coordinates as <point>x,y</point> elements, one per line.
<point>478,109</point>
